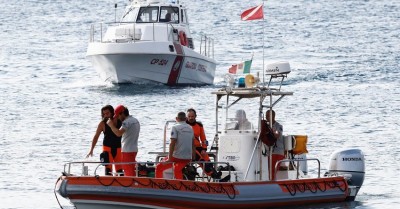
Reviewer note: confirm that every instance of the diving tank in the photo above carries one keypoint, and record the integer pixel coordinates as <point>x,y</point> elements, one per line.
<point>350,163</point>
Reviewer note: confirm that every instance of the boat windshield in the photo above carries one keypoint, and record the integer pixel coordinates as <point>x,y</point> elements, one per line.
<point>169,14</point>
<point>148,14</point>
<point>130,14</point>
<point>152,14</point>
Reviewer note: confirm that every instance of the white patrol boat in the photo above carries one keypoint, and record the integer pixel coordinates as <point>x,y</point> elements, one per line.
<point>151,43</point>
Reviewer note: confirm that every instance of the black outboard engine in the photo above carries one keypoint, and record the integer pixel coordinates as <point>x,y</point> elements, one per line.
<point>349,163</point>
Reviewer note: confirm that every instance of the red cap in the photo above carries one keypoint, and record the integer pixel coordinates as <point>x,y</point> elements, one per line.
<point>118,110</point>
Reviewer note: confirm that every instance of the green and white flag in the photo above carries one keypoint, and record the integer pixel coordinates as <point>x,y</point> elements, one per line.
<point>241,68</point>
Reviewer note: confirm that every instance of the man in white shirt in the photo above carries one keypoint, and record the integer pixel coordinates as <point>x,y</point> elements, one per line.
<point>130,134</point>
<point>181,148</point>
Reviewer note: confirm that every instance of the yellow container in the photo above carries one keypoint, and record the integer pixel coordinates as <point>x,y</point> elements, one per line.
<point>300,144</point>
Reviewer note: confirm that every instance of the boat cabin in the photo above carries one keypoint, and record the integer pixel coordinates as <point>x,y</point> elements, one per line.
<point>151,21</point>
<point>154,13</point>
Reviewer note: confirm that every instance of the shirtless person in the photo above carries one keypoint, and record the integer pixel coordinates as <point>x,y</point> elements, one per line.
<point>111,142</point>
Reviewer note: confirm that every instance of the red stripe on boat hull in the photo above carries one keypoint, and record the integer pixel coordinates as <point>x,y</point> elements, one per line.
<point>176,66</point>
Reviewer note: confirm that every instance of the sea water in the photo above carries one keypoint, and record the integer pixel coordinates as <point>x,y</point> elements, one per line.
<point>344,56</point>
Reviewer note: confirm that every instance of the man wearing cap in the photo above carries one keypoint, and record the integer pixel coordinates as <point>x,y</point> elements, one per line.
<point>129,131</point>
<point>181,148</point>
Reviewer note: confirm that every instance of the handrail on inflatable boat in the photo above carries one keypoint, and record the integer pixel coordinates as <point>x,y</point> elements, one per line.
<point>297,166</point>
<point>165,134</point>
<point>165,154</point>
<point>67,166</point>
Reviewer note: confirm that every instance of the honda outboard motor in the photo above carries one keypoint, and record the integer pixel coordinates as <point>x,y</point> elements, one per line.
<point>349,163</point>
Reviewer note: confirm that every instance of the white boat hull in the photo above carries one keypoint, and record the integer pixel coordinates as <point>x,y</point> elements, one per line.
<point>151,62</point>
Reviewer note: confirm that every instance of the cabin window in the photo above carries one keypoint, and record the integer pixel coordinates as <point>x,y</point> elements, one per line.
<point>184,16</point>
<point>169,14</point>
<point>130,15</point>
<point>148,14</point>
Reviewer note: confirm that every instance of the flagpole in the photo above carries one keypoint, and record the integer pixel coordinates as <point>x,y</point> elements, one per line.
<point>256,13</point>
<point>263,26</point>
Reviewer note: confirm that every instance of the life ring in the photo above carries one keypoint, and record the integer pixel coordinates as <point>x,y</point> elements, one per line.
<point>182,38</point>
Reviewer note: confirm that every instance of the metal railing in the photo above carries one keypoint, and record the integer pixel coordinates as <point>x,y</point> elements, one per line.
<point>98,31</point>
<point>297,166</point>
<point>165,134</point>
<point>97,165</point>
<point>207,46</point>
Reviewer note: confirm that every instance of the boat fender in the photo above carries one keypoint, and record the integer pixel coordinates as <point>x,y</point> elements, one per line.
<point>266,135</point>
<point>182,38</point>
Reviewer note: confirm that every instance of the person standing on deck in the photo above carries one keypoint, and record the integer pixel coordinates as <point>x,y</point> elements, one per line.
<point>181,148</point>
<point>278,152</point>
<point>111,142</point>
<point>200,143</point>
<point>129,131</point>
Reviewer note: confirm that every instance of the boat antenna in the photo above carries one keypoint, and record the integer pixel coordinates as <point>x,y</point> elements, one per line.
<point>115,12</point>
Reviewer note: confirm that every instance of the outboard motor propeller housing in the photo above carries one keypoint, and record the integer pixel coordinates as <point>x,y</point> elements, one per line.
<point>348,162</point>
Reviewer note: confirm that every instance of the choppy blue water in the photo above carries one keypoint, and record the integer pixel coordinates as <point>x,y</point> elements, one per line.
<point>344,54</point>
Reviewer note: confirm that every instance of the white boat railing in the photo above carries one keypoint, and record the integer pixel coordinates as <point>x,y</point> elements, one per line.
<point>279,162</point>
<point>207,46</point>
<point>132,32</point>
<point>96,166</point>
<point>129,31</point>
<point>84,166</point>
<point>165,134</point>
